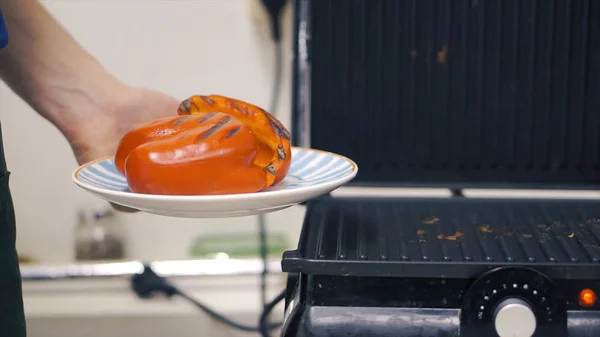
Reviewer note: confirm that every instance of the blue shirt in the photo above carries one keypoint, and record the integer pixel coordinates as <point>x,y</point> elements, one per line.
<point>12,318</point>
<point>3,32</point>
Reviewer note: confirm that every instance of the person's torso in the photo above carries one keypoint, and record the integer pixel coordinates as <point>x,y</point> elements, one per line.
<point>12,320</point>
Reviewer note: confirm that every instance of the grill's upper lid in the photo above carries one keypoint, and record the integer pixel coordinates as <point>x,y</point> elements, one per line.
<point>452,93</point>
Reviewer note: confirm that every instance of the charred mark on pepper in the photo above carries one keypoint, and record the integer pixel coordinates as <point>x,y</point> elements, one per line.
<point>233,132</point>
<point>185,105</point>
<point>180,120</point>
<point>279,129</point>
<point>241,109</point>
<point>271,169</point>
<point>281,152</point>
<point>208,100</point>
<point>192,102</point>
<point>206,117</point>
<point>214,128</point>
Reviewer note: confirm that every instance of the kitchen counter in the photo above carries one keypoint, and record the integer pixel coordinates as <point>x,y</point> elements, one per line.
<point>212,267</point>
<point>97,300</point>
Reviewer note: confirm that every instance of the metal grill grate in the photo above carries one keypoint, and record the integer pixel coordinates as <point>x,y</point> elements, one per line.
<point>353,233</point>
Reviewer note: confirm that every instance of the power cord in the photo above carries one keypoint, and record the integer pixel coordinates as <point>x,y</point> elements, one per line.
<point>262,230</point>
<point>148,284</point>
<point>274,8</point>
<point>263,323</point>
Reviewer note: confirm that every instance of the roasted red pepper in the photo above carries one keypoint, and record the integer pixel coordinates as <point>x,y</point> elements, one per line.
<point>269,131</point>
<point>216,145</point>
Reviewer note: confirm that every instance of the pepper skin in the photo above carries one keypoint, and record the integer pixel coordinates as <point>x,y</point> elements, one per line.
<point>157,129</point>
<point>204,154</point>
<point>275,154</point>
<point>217,145</point>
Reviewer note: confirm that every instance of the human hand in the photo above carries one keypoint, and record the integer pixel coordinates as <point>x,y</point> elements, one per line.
<point>100,135</point>
<point>131,107</point>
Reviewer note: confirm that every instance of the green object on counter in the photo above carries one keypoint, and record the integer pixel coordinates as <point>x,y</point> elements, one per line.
<point>237,245</point>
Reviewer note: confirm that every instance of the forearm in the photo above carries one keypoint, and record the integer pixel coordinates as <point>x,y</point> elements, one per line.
<point>46,67</point>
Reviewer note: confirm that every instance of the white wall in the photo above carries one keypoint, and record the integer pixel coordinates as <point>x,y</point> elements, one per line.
<point>180,47</point>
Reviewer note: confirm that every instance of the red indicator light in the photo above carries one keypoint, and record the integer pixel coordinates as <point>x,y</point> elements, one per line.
<point>587,298</point>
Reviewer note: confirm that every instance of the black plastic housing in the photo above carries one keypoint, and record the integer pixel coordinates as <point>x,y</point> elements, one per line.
<point>454,94</point>
<point>462,93</point>
<point>414,267</point>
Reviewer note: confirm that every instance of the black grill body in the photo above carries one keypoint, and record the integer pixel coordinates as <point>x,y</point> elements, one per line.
<point>455,94</point>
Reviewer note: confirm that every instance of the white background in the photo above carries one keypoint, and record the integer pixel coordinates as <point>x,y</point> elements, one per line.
<point>180,47</point>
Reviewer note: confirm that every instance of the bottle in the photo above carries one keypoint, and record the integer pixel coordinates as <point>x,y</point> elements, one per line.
<point>99,236</point>
<point>82,236</point>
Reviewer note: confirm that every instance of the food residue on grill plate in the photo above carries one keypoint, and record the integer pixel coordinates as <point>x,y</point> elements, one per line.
<point>452,237</point>
<point>486,229</point>
<point>430,220</point>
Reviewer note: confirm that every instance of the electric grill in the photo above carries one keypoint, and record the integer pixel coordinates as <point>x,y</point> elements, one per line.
<point>459,94</point>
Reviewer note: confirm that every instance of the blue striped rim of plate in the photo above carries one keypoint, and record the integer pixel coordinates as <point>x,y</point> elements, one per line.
<point>309,168</point>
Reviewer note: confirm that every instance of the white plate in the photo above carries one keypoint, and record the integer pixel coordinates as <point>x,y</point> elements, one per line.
<point>312,173</point>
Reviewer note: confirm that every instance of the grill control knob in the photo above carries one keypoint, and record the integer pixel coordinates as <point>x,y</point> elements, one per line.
<point>514,318</point>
